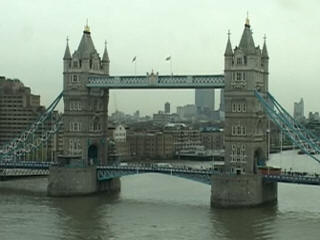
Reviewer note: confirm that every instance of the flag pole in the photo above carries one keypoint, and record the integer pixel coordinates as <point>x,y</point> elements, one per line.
<point>135,64</point>
<point>170,59</point>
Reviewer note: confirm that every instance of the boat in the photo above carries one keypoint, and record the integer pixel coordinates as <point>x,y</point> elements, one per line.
<point>199,153</point>
<point>268,170</point>
<point>301,152</point>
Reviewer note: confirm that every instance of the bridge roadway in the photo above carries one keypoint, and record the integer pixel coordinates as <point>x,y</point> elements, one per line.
<point>108,172</point>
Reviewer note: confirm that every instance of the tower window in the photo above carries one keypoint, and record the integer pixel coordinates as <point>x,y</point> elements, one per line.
<point>238,76</point>
<point>238,130</point>
<point>75,64</point>
<point>245,59</point>
<point>239,107</point>
<point>244,108</point>
<point>75,106</point>
<point>75,126</point>
<point>74,145</point>
<point>239,60</point>
<point>234,107</point>
<point>243,130</point>
<point>233,130</point>
<point>75,78</point>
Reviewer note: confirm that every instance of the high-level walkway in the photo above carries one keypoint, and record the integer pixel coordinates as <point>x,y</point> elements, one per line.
<point>157,81</point>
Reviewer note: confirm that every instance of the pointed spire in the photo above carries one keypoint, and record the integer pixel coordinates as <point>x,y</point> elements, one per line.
<point>264,49</point>
<point>246,42</point>
<point>105,57</point>
<point>247,24</point>
<point>67,54</point>
<point>228,51</point>
<point>86,28</point>
<point>86,47</point>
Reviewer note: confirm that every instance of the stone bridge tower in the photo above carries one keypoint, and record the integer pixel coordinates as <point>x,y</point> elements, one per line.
<point>246,135</point>
<point>85,109</point>
<point>246,70</point>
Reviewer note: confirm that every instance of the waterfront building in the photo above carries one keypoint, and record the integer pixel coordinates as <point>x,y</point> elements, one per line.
<point>212,138</point>
<point>117,142</point>
<point>120,133</point>
<point>150,145</point>
<point>161,118</point>
<point>187,112</point>
<point>184,137</point>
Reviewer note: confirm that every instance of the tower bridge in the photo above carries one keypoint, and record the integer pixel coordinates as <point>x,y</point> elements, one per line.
<point>248,107</point>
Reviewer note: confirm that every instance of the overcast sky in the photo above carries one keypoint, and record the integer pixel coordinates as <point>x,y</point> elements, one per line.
<point>193,32</point>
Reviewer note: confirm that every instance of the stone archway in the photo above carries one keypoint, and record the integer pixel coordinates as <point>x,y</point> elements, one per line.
<point>92,154</point>
<point>258,159</point>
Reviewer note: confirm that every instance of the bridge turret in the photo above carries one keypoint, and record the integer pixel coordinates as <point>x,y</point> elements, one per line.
<point>105,63</point>
<point>265,63</point>
<point>228,54</point>
<point>67,58</point>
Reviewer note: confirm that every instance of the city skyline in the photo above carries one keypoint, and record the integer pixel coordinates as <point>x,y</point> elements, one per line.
<point>152,31</point>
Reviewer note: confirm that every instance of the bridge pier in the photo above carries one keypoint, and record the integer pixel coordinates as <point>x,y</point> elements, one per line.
<point>229,191</point>
<point>68,182</point>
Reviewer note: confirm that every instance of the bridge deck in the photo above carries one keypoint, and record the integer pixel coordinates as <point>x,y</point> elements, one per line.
<point>297,179</point>
<point>200,175</point>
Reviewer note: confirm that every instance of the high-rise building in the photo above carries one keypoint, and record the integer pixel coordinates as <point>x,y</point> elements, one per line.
<point>167,107</point>
<point>19,108</point>
<point>204,100</point>
<point>298,110</point>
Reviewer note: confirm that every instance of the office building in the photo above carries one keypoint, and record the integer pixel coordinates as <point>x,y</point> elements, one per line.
<point>298,111</point>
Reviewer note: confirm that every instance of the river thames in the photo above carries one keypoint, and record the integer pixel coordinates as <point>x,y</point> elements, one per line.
<point>155,206</point>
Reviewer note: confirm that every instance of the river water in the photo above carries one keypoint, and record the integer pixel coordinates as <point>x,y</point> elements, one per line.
<point>154,207</point>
